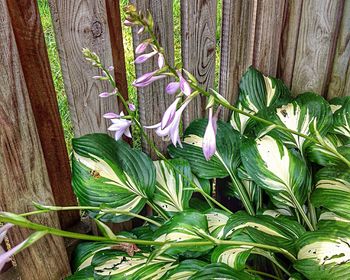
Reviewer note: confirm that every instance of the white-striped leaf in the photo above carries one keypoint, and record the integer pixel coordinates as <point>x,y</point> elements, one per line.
<point>279,231</point>
<point>329,219</point>
<point>115,265</point>
<point>217,220</point>
<point>233,255</point>
<point>108,173</point>
<point>332,190</point>
<point>309,111</point>
<point>225,159</point>
<point>185,226</point>
<point>281,172</point>
<point>173,190</point>
<point>185,270</point>
<point>257,92</point>
<point>324,254</point>
<point>341,115</point>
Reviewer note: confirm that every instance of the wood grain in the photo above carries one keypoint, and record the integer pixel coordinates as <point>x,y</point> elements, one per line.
<point>340,75</point>
<point>198,38</point>
<point>237,46</point>
<point>36,68</point>
<point>79,24</point>
<point>319,26</point>
<point>289,40</point>
<point>268,28</point>
<point>153,100</point>
<point>24,174</point>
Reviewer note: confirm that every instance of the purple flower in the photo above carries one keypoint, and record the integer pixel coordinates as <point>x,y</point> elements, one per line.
<point>141,30</point>
<point>148,82</point>
<point>131,107</point>
<point>184,85</point>
<point>141,47</point>
<point>4,257</point>
<point>106,94</point>
<point>209,139</point>
<point>169,114</point>
<point>145,77</point>
<point>172,87</point>
<point>161,61</point>
<point>110,68</point>
<point>120,126</point>
<point>144,57</point>
<point>128,23</point>
<point>111,115</point>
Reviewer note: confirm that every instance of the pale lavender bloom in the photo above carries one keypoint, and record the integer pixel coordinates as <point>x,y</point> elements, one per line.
<point>120,126</point>
<point>209,139</point>
<point>144,57</point>
<point>141,30</point>
<point>111,115</point>
<point>4,256</point>
<point>161,61</point>
<point>149,81</point>
<point>141,47</point>
<point>98,77</point>
<point>169,114</point>
<point>184,85</point>
<point>131,107</point>
<point>172,87</point>
<point>145,77</point>
<point>105,94</point>
<point>110,68</point>
<point>128,23</point>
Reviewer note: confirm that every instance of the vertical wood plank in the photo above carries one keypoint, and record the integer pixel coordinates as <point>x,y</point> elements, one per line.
<point>289,40</point>
<point>80,24</point>
<point>198,39</point>
<point>340,75</point>
<point>24,174</point>
<point>268,28</point>
<point>319,26</point>
<point>36,68</point>
<point>153,100</point>
<point>237,45</point>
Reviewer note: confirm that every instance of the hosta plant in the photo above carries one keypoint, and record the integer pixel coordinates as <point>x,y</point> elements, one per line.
<point>284,160</point>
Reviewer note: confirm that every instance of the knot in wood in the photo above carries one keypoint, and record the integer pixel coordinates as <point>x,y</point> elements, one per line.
<point>96,29</point>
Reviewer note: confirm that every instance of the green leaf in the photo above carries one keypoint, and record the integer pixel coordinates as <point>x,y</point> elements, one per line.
<point>281,172</point>
<point>341,115</point>
<point>280,231</point>
<point>221,271</point>
<point>108,173</point>
<point>184,270</point>
<point>233,255</point>
<point>185,226</point>
<point>85,274</point>
<point>324,254</point>
<point>257,92</point>
<point>226,157</point>
<point>308,111</point>
<point>115,265</point>
<point>173,190</point>
<point>332,190</point>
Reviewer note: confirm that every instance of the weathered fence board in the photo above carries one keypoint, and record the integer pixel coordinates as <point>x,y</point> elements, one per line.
<point>340,76</point>
<point>24,175</point>
<point>152,100</point>
<point>237,43</point>
<point>83,24</point>
<point>198,37</point>
<point>36,68</point>
<point>316,43</point>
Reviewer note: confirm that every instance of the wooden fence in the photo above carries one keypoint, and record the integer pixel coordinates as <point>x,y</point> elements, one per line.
<point>304,42</point>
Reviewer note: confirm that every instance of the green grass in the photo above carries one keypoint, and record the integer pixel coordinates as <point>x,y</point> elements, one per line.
<point>129,57</point>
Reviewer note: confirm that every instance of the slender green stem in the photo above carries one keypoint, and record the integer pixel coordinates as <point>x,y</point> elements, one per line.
<point>93,208</point>
<point>262,273</point>
<point>301,212</point>
<point>38,227</point>
<point>312,212</point>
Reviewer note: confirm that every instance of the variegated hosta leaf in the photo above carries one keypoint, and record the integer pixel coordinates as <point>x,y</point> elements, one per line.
<point>257,92</point>
<point>185,226</point>
<point>329,219</point>
<point>108,173</point>
<point>306,113</point>
<point>233,255</point>
<point>341,115</point>
<point>318,154</point>
<point>226,156</point>
<point>332,190</point>
<point>281,172</point>
<point>84,274</point>
<point>279,231</point>
<point>221,271</point>
<point>185,270</point>
<point>116,265</point>
<point>173,190</point>
<point>324,254</point>
<point>217,220</point>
